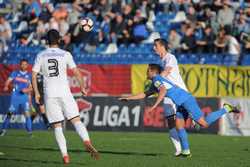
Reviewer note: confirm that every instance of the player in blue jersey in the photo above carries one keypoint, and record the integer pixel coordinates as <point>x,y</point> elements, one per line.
<point>21,81</point>
<point>180,97</point>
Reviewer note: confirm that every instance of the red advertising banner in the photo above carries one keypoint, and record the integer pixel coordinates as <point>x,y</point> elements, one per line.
<point>4,74</point>
<point>99,79</point>
<point>103,79</point>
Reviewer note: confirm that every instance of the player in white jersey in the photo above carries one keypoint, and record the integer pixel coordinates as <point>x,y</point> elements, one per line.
<point>171,72</point>
<point>52,63</point>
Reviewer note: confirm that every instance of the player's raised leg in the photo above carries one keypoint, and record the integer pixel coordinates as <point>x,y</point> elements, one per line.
<point>192,107</point>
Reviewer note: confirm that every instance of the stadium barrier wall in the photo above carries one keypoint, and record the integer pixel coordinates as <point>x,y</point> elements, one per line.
<point>236,124</point>
<point>110,114</point>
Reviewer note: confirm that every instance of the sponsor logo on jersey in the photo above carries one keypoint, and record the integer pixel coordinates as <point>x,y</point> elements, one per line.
<point>157,84</point>
<point>20,79</point>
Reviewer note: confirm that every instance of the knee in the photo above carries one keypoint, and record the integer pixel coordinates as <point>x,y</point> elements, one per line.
<point>56,125</point>
<point>179,126</point>
<point>204,124</point>
<point>75,120</point>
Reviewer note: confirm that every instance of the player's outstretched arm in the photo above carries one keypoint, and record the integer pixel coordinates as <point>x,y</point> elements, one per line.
<point>161,95</point>
<point>134,97</point>
<point>35,87</point>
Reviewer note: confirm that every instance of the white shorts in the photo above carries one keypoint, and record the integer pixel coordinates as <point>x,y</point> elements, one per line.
<point>57,108</point>
<point>169,107</point>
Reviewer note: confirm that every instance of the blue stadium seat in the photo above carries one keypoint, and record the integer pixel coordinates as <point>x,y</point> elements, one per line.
<point>194,58</point>
<point>132,48</point>
<point>5,61</point>
<point>245,60</point>
<point>76,49</point>
<point>122,48</point>
<point>230,60</point>
<point>101,48</point>
<point>183,59</point>
<point>213,59</point>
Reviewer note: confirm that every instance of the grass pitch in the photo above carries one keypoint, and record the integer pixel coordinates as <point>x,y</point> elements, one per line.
<point>120,149</point>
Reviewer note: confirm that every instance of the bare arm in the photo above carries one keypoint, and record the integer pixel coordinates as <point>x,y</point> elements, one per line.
<point>27,90</point>
<point>79,78</point>
<point>162,93</point>
<point>35,87</point>
<point>7,83</point>
<point>221,45</point>
<point>201,42</point>
<point>134,97</point>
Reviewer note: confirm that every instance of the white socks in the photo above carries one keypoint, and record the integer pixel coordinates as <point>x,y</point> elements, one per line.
<point>60,139</point>
<point>81,130</point>
<point>175,140</point>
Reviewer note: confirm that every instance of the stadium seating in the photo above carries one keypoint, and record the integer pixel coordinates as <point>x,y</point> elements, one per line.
<point>131,54</point>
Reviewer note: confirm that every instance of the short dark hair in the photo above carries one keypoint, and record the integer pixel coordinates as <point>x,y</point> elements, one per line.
<point>53,37</point>
<point>23,60</point>
<point>162,42</point>
<point>155,67</point>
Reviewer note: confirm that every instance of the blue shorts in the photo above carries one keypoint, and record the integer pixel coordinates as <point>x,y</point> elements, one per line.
<point>192,108</point>
<point>19,101</point>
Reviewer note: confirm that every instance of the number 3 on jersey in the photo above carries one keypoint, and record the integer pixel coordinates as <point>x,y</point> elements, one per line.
<point>53,67</point>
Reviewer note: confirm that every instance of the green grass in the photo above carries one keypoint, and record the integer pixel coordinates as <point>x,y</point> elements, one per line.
<point>120,149</point>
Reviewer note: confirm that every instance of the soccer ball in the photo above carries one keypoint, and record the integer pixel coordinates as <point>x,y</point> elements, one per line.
<point>87,24</point>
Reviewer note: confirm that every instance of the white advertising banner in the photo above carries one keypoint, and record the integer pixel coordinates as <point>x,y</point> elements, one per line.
<point>236,124</point>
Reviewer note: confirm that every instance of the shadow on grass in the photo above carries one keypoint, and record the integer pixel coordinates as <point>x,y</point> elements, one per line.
<point>79,151</point>
<point>37,161</point>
